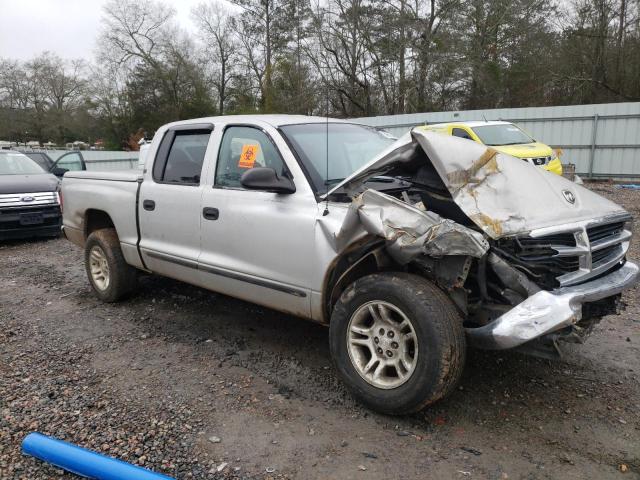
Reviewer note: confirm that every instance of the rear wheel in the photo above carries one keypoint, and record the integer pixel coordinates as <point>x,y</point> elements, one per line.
<point>109,274</point>
<point>397,342</point>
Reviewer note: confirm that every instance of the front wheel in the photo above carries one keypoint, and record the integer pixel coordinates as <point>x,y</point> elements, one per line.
<point>111,277</point>
<point>397,342</point>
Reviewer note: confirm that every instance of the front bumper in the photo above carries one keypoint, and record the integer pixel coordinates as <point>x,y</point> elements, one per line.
<point>11,227</point>
<point>545,312</point>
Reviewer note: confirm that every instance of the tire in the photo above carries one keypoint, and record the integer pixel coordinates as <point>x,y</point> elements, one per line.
<point>438,345</point>
<point>102,253</point>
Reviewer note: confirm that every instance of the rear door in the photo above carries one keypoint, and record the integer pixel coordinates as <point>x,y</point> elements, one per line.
<point>169,202</point>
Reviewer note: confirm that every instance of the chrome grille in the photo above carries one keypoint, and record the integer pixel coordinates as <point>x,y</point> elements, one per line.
<point>570,254</point>
<point>597,247</point>
<point>601,232</point>
<point>10,200</point>
<point>604,253</point>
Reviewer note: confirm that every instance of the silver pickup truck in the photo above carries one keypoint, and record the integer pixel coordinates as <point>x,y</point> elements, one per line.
<point>409,249</point>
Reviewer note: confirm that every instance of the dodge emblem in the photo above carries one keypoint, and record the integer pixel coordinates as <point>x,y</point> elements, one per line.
<point>569,196</point>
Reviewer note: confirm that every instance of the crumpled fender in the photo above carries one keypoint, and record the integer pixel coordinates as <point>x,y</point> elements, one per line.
<point>408,230</point>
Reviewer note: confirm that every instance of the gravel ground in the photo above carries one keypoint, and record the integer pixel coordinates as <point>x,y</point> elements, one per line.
<point>199,385</point>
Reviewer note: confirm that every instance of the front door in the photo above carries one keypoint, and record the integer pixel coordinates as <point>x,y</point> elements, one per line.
<point>169,203</point>
<point>69,162</point>
<point>257,245</point>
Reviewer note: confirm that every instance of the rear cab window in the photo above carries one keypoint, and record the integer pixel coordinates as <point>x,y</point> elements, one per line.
<point>180,157</point>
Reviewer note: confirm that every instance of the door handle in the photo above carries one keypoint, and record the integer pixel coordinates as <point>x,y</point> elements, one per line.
<point>210,213</point>
<point>149,205</point>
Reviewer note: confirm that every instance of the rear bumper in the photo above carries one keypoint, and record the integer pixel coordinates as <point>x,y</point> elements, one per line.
<point>546,312</point>
<point>74,235</point>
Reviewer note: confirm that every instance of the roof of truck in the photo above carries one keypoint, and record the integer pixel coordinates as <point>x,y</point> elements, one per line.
<point>272,119</point>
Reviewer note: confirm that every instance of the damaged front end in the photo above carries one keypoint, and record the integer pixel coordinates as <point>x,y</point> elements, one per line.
<point>528,257</point>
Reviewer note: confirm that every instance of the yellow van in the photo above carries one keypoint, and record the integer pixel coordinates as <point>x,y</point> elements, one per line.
<point>504,137</point>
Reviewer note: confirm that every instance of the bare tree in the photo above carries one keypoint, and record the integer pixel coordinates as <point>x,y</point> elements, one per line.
<point>65,81</point>
<point>216,30</point>
<point>164,79</point>
<point>108,86</point>
<point>135,30</point>
<point>340,57</point>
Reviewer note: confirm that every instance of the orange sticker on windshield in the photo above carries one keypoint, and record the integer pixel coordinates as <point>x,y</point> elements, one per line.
<point>248,156</point>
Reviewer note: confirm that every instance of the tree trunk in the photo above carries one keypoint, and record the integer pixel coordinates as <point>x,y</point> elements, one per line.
<point>401,60</point>
<point>223,82</point>
<point>268,83</point>
<point>619,40</point>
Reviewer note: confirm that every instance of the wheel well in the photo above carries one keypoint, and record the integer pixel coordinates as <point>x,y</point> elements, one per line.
<point>95,220</point>
<point>355,262</point>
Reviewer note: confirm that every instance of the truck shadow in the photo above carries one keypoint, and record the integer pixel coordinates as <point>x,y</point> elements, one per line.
<point>294,355</point>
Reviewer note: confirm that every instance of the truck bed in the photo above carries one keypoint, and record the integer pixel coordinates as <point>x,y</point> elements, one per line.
<point>115,175</point>
<point>86,193</point>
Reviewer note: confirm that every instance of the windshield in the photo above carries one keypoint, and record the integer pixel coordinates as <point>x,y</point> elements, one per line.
<point>13,163</point>
<point>505,134</point>
<point>350,147</point>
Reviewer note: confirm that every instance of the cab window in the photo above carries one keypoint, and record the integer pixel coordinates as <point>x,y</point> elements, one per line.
<point>244,148</point>
<point>180,157</point>
<point>462,133</point>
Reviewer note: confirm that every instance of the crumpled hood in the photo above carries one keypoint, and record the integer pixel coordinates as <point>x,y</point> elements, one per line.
<point>44,182</point>
<point>501,196</point>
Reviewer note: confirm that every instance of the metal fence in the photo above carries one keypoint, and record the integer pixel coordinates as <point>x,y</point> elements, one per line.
<point>112,164</point>
<point>603,140</point>
<point>103,159</point>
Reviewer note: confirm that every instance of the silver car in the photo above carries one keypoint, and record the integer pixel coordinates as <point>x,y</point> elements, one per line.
<point>409,249</point>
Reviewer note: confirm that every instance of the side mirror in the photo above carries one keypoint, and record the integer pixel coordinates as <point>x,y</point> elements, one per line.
<point>59,172</point>
<point>261,178</point>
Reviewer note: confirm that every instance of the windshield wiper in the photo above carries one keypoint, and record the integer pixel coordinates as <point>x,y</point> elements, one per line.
<point>378,179</point>
<point>382,179</point>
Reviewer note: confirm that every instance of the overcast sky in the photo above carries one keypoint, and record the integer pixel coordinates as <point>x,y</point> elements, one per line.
<point>66,27</point>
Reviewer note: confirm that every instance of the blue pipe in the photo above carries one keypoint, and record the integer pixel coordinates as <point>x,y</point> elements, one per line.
<point>84,462</point>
